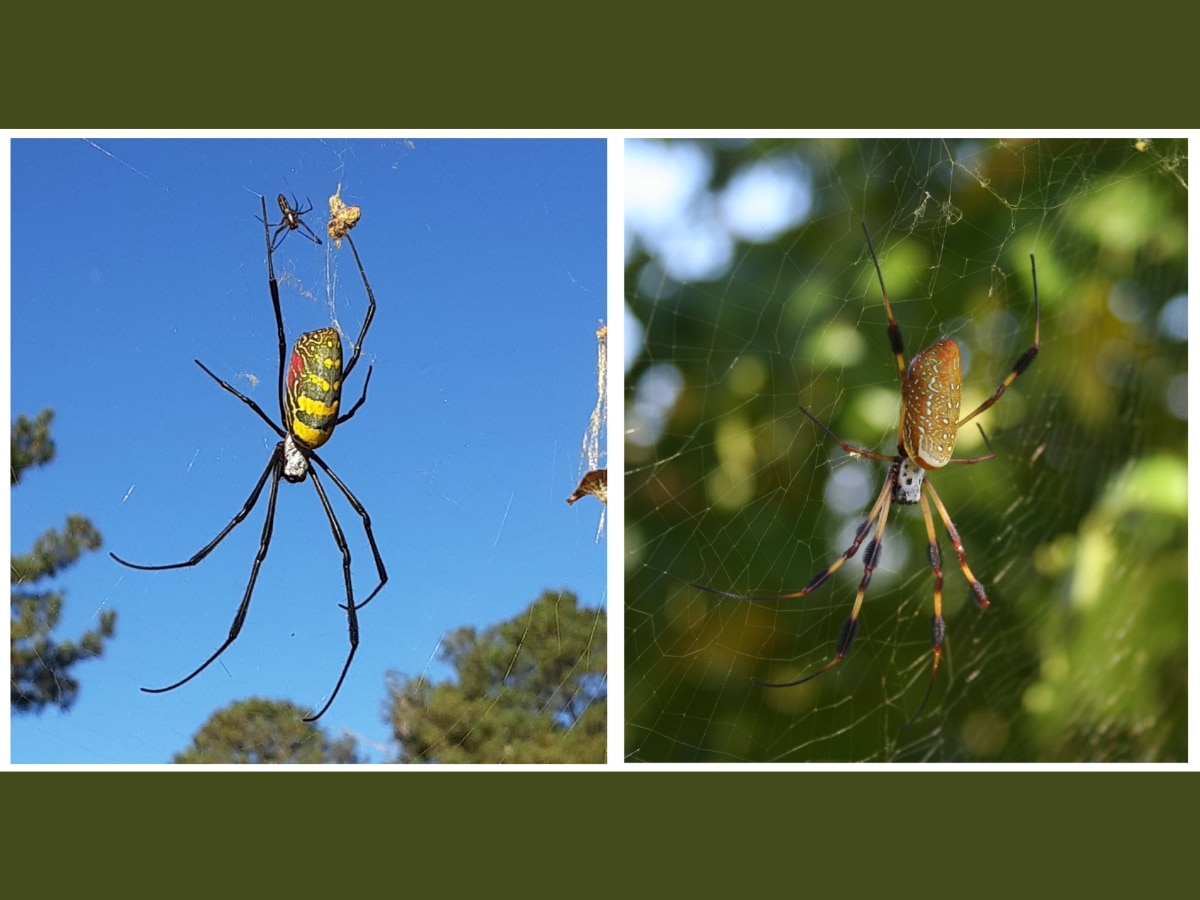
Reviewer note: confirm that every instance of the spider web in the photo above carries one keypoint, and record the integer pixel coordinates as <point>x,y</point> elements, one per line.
<point>594,478</point>
<point>592,448</point>
<point>750,293</point>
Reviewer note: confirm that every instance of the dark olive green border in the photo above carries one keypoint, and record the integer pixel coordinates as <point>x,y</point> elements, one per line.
<point>634,66</point>
<point>554,834</point>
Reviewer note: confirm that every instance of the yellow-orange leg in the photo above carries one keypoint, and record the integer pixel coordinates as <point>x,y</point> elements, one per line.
<point>1026,358</point>
<point>821,577</point>
<point>894,337</point>
<point>870,560</point>
<point>981,599</point>
<point>937,624</point>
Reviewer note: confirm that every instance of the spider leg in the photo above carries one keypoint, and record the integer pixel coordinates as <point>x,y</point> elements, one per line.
<point>981,599</point>
<point>312,237</point>
<point>821,577</point>
<point>849,448</point>
<point>937,623</point>
<point>249,505</point>
<point>894,337</point>
<point>351,610</point>
<point>970,460</point>
<point>366,319</point>
<point>250,403</point>
<point>275,469</point>
<point>1025,359</point>
<point>366,520</point>
<point>274,286</point>
<point>870,560</point>
<point>361,400</point>
<point>280,233</point>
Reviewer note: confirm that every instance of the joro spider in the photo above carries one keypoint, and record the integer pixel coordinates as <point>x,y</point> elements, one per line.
<point>292,221</point>
<point>931,393</point>
<point>310,386</point>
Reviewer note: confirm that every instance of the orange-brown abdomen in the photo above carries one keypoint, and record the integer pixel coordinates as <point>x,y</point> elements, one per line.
<point>929,412</point>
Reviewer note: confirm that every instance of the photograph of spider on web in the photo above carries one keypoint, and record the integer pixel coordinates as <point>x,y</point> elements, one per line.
<point>403,330</point>
<point>883,502</point>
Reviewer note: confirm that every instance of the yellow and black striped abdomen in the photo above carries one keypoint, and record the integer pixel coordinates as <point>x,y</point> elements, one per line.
<point>314,386</point>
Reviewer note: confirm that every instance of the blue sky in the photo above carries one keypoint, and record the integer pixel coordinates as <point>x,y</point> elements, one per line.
<point>131,258</point>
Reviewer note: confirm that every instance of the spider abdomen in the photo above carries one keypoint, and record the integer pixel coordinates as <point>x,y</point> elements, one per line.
<point>932,396</point>
<point>314,386</point>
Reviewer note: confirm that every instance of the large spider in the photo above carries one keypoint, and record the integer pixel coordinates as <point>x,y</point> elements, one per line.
<point>931,393</point>
<point>310,386</point>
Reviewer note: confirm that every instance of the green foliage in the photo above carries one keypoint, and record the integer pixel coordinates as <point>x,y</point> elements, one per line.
<point>31,443</point>
<point>1114,674</point>
<point>40,665</point>
<point>265,731</point>
<point>529,690</point>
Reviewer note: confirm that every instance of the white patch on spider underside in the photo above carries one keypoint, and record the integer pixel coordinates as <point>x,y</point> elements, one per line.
<point>295,461</point>
<point>908,482</point>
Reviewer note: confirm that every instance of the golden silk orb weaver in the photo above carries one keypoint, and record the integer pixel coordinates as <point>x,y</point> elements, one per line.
<point>310,389</point>
<point>931,396</point>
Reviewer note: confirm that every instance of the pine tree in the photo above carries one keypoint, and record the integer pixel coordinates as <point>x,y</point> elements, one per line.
<point>41,665</point>
<point>265,731</point>
<point>529,690</point>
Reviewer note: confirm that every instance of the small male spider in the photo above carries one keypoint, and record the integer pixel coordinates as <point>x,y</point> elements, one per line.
<point>931,393</point>
<point>291,221</point>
